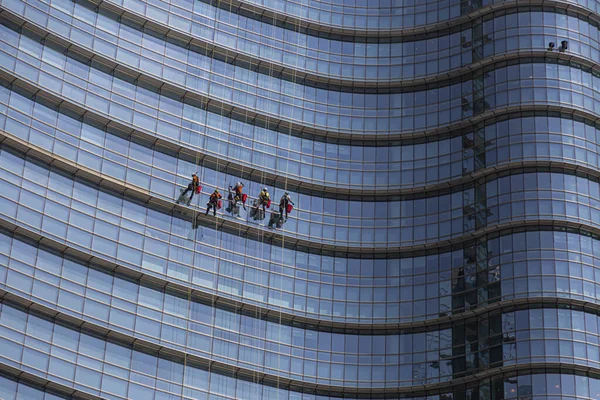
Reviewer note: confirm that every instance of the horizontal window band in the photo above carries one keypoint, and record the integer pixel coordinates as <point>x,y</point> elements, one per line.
<point>476,178</point>
<point>269,177</point>
<point>426,31</point>
<point>171,354</point>
<point>194,296</point>
<point>307,78</point>
<point>290,22</point>
<point>198,218</point>
<point>300,77</point>
<point>43,384</point>
<point>198,100</point>
<point>450,131</point>
<point>239,306</point>
<point>255,174</point>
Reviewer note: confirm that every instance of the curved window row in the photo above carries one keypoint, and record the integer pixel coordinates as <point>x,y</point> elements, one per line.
<point>408,222</point>
<point>365,223</point>
<point>519,84</point>
<point>58,67</point>
<point>284,155</point>
<point>520,265</point>
<point>205,16</point>
<point>250,342</point>
<point>539,138</point>
<point>171,247</point>
<point>294,353</point>
<point>498,388</point>
<point>12,389</point>
<point>407,15</point>
<point>406,60</point>
<point>421,56</point>
<point>243,341</point>
<point>504,199</point>
<point>305,53</point>
<point>359,14</point>
<point>414,59</point>
<point>70,355</point>
<point>235,85</point>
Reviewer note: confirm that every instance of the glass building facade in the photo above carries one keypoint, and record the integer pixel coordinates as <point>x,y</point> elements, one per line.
<point>443,163</point>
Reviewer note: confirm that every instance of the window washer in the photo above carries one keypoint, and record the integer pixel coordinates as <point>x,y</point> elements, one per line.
<point>214,202</point>
<point>285,204</point>
<point>193,187</point>
<point>264,200</point>
<point>238,195</point>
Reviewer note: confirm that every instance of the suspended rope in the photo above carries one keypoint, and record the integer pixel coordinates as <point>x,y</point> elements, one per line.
<point>285,188</point>
<point>260,231</point>
<point>210,57</point>
<point>234,207</point>
<point>257,314</point>
<point>198,148</point>
<point>261,237</point>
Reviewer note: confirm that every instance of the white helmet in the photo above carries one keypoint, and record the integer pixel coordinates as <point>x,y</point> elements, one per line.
<point>286,194</point>
<point>265,189</point>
